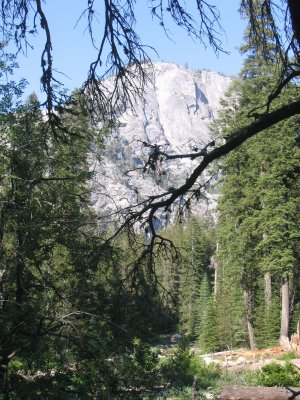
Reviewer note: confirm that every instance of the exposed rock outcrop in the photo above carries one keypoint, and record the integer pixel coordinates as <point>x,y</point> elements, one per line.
<point>175,114</point>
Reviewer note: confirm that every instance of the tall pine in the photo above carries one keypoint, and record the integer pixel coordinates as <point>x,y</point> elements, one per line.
<point>258,224</point>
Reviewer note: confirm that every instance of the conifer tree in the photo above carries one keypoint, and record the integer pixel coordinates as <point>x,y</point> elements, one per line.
<point>258,217</point>
<point>208,336</point>
<point>202,302</point>
<point>54,299</point>
<point>198,247</point>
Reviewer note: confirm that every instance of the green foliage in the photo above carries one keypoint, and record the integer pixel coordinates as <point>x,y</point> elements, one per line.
<point>139,367</point>
<point>258,223</point>
<point>185,368</point>
<point>202,307</point>
<point>10,91</point>
<point>267,323</point>
<point>75,306</point>
<point>56,319</point>
<point>288,356</point>
<point>198,242</point>
<point>178,370</point>
<point>208,336</point>
<point>206,375</point>
<point>230,324</point>
<point>276,375</point>
<point>295,316</point>
<point>185,276</point>
<point>56,380</point>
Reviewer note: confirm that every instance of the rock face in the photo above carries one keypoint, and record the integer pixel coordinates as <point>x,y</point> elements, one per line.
<point>175,114</point>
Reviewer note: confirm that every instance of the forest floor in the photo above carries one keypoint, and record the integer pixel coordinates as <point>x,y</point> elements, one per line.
<point>251,360</point>
<point>236,359</point>
<point>236,367</point>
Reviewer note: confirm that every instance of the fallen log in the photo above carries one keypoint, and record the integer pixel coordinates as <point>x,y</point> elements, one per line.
<point>259,393</point>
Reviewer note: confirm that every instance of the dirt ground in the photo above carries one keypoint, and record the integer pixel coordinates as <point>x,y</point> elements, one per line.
<point>249,359</point>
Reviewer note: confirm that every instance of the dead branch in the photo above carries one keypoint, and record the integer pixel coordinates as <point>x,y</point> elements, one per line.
<point>146,210</point>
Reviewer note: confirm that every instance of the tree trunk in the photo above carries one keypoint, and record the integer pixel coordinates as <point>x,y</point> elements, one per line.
<point>20,290</point>
<point>294,7</point>
<point>285,311</point>
<point>248,307</point>
<point>215,290</point>
<point>268,290</point>
<point>2,271</point>
<point>20,268</point>
<point>214,264</point>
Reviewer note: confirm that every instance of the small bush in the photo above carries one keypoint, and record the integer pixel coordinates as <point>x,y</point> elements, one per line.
<point>276,375</point>
<point>177,370</point>
<point>206,375</point>
<point>139,367</point>
<point>184,368</point>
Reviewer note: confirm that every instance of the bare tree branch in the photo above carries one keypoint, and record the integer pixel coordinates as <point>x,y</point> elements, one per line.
<point>120,52</point>
<point>208,30</point>
<point>147,209</point>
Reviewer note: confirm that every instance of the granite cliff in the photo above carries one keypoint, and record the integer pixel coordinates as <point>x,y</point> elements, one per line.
<point>175,114</point>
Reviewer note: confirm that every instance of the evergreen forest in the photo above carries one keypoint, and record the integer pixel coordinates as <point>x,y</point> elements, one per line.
<point>91,311</point>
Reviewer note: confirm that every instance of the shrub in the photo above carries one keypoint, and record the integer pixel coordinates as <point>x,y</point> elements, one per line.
<point>177,370</point>
<point>184,368</point>
<point>276,375</point>
<point>139,367</point>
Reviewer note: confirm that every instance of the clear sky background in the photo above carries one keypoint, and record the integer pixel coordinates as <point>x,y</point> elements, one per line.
<point>73,52</point>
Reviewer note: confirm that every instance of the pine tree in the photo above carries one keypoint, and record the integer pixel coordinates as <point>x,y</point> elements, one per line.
<point>208,336</point>
<point>47,242</point>
<point>198,247</point>
<point>258,212</point>
<point>202,302</point>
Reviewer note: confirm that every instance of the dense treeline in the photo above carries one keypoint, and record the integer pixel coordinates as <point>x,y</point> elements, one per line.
<point>76,310</point>
<point>68,315</point>
<point>258,228</point>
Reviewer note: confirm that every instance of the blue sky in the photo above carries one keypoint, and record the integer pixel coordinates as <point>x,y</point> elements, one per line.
<point>73,52</point>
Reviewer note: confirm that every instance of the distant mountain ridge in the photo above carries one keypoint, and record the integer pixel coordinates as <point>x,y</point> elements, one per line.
<point>175,114</point>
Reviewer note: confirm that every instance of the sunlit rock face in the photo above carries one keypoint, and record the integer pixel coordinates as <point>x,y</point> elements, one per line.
<point>175,113</point>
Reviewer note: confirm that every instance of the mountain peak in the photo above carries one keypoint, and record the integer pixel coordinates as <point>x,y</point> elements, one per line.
<point>175,113</point>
